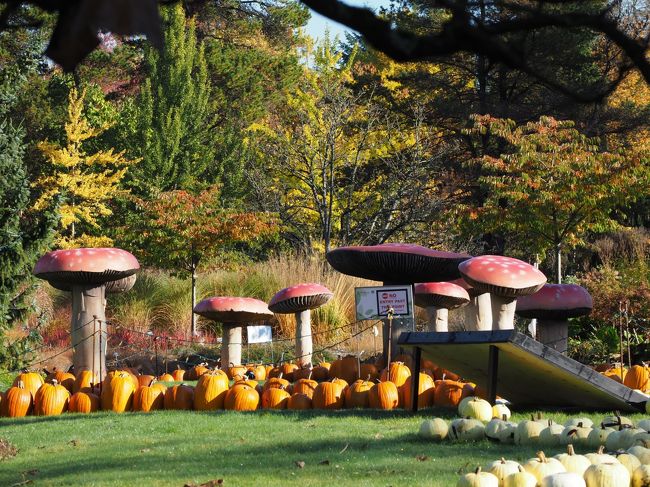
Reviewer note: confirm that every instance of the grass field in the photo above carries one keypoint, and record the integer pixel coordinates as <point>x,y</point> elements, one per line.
<point>174,448</point>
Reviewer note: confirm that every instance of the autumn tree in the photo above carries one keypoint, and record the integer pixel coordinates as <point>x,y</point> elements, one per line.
<point>179,230</point>
<point>551,185</point>
<point>84,182</point>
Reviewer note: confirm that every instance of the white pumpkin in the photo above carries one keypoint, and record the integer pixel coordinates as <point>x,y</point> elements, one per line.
<point>622,439</point>
<point>644,424</point>
<point>502,468</point>
<point>501,411</point>
<point>550,436</point>
<point>607,475</point>
<point>581,422</point>
<point>641,476</point>
<point>466,430</point>
<point>615,421</point>
<point>435,429</point>
<point>541,466</point>
<point>598,437</point>
<point>563,479</point>
<point>642,439</point>
<point>600,457</point>
<point>575,435</point>
<point>629,461</point>
<point>573,462</point>
<point>494,427</point>
<point>507,435</point>
<point>527,432</point>
<point>475,408</point>
<point>641,452</point>
<point>520,479</point>
<point>478,479</point>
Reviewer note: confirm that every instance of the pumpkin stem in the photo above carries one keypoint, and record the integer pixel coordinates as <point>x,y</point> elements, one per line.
<point>504,417</point>
<point>503,460</point>
<point>520,468</point>
<point>601,449</point>
<point>570,450</point>
<point>54,382</point>
<point>20,385</point>
<point>542,457</point>
<point>478,470</point>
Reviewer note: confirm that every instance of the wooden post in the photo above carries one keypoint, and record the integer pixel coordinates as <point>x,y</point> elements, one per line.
<point>415,382</point>
<point>493,371</point>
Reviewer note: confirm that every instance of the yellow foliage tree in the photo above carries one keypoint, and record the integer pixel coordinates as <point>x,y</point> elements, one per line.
<point>85,182</point>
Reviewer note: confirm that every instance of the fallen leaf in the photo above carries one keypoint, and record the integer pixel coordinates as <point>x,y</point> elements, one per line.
<point>145,450</point>
<point>7,449</point>
<point>74,442</point>
<point>378,436</point>
<point>324,462</point>
<point>344,448</point>
<point>300,464</point>
<point>421,458</point>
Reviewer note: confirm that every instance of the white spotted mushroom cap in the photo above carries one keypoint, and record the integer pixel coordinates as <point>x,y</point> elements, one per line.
<point>230,309</point>
<point>65,268</point>
<point>556,302</point>
<point>440,294</point>
<point>300,297</point>
<point>502,276</point>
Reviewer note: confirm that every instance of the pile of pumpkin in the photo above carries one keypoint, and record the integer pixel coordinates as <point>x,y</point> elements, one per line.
<point>325,386</point>
<point>635,377</point>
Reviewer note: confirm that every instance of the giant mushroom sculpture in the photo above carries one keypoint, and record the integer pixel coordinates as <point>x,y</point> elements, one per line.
<point>505,279</point>
<point>478,312</point>
<point>396,263</point>
<point>300,300</point>
<point>232,312</point>
<point>553,305</point>
<point>88,274</point>
<point>438,298</point>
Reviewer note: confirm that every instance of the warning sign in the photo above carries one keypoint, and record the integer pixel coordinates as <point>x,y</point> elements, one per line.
<point>374,302</point>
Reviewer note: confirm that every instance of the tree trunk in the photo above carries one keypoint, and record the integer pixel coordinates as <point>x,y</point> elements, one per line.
<point>558,258</point>
<point>88,322</point>
<point>304,343</point>
<point>193,324</point>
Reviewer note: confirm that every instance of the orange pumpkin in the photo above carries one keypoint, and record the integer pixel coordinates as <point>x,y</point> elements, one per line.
<point>406,359</point>
<point>66,379</point>
<point>31,380</point>
<point>426,391</point>
<point>347,369</point>
<point>299,402</point>
<point>384,395</point>
<point>288,369</point>
<point>321,371</point>
<point>85,379</point>
<point>210,391</point>
<point>148,398</point>
<point>165,378</point>
<point>328,395</point>
<point>399,372</point>
<point>302,373</point>
<point>51,399</point>
<point>274,398</point>
<point>17,401</point>
<point>638,377</point>
<point>448,393</point>
<point>83,402</point>
<point>369,372</point>
<point>358,394</point>
<point>259,371</point>
<point>305,386</point>
<point>276,383</point>
<point>178,375</point>
<point>145,380</point>
<point>236,371</point>
<point>180,396</point>
<point>243,398</point>
<point>197,371</point>
<point>120,393</point>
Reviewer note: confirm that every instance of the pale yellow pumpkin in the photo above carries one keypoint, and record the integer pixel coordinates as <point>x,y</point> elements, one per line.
<point>478,479</point>
<point>573,462</point>
<point>607,475</point>
<point>541,466</point>
<point>435,429</point>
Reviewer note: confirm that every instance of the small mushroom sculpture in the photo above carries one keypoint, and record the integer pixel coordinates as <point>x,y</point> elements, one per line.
<point>553,305</point>
<point>88,273</point>
<point>232,312</point>
<point>300,300</point>
<point>505,279</point>
<point>438,298</point>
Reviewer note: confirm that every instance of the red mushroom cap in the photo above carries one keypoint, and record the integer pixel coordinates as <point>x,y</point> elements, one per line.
<point>556,302</point>
<point>440,294</point>
<point>502,276</point>
<point>396,263</point>
<point>226,309</point>
<point>473,292</point>
<point>299,298</point>
<point>64,268</point>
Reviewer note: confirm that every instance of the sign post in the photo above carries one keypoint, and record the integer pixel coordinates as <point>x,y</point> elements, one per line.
<point>391,304</point>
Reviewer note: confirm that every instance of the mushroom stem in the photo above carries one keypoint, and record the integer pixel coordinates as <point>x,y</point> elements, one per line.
<point>554,334</point>
<point>304,344</point>
<point>88,322</point>
<point>231,345</point>
<point>438,318</point>
<point>478,313</point>
<point>503,312</point>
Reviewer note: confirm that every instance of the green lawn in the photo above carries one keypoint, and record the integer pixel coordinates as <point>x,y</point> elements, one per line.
<point>245,449</point>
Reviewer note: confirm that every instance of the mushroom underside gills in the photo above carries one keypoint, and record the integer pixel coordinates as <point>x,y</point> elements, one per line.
<point>554,334</point>
<point>304,342</point>
<point>503,312</point>
<point>88,327</point>
<point>478,313</point>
